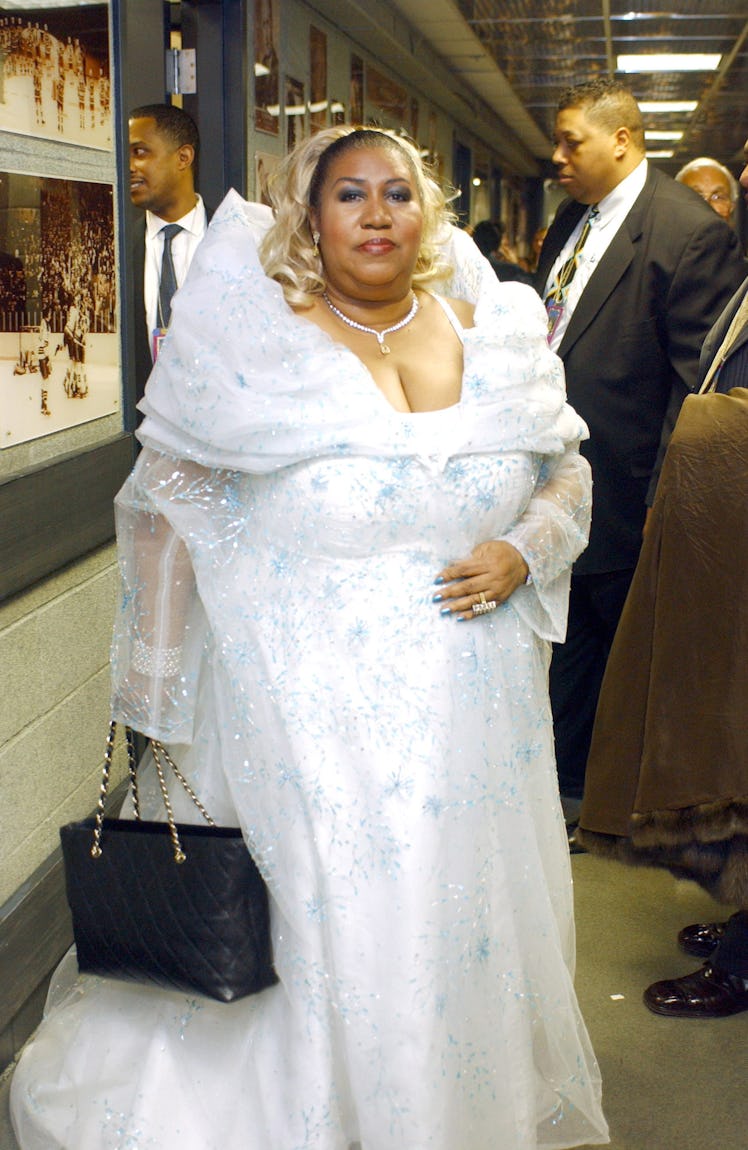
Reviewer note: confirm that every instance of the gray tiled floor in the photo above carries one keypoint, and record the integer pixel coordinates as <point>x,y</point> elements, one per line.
<point>668,1083</point>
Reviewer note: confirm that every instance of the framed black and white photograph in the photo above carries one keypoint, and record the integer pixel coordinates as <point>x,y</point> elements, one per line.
<point>267,76</point>
<point>356,100</point>
<point>295,108</point>
<point>59,346</point>
<point>388,97</point>
<point>64,445</point>
<point>55,76</point>
<point>318,103</point>
<point>265,164</point>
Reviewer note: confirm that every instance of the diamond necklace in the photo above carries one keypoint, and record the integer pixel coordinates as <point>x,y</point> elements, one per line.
<point>383,347</point>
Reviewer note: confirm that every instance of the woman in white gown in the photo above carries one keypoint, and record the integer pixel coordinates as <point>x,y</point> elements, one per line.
<point>344,549</point>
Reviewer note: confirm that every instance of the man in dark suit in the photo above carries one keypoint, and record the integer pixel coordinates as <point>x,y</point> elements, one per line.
<point>164,155</point>
<point>652,269</point>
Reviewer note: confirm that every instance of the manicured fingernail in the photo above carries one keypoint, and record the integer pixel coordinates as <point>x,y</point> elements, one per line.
<point>446,611</point>
<point>438,579</point>
<point>437,598</point>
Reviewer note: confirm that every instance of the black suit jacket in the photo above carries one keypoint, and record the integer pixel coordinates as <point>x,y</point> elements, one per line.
<point>508,271</point>
<point>631,349</point>
<point>734,371</point>
<point>143,360</point>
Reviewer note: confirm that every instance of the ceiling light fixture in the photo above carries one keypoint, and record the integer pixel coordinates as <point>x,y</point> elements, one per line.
<point>660,155</point>
<point>663,135</point>
<point>668,105</point>
<point>670,62</point>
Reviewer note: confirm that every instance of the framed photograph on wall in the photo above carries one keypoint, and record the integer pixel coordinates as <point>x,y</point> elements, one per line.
<point>55,74</point>
<point>388,97</point>
<point>59,343</point>
<point>267,75</point>
<point>432,137</point>
<point>265,165</point>
<point>295,110</point>
<point>357,91</point>
<point>64,446</point>
<point>318,103</point>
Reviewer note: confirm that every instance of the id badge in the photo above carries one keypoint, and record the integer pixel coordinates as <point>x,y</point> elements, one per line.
<point>555,309</point>
<point>157,337</point>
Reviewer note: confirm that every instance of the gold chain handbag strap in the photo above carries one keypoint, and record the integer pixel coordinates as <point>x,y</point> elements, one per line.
<point>104,788</point>
<point>158,750</point>
<point>160,756</point>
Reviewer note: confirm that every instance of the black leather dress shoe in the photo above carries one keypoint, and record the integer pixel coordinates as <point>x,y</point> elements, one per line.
<point>708,993</point>
<point>701,938</point>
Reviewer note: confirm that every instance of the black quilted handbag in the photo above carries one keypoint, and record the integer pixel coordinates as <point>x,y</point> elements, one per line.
<point>176,905</point>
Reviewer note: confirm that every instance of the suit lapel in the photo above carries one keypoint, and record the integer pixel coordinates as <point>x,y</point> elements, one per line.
<point>741,340</point>
<point>563,225</point>
<point>143,362</point>
<point>742,336</point>
<point>714,339</point>
<point>607,274</point>
<point>601,283</point>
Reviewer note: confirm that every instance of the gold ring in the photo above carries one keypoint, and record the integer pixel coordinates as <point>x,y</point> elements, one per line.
<point>482,597</point>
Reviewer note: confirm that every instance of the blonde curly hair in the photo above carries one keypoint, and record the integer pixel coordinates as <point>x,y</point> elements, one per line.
<point>288,252</point>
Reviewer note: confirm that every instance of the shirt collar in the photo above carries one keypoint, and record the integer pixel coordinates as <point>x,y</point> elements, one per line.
<point>189,222</point>
<point>622,198</point>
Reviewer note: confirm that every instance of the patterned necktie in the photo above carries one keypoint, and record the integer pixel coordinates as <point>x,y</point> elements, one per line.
<point>168,283</point>
<point>555,301</point>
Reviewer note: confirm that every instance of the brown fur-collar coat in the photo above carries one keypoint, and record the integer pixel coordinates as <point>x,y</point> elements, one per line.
<point>667,778</point>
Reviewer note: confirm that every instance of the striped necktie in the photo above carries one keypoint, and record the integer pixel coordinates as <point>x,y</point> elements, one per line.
<point>555,300</point>
<point>168,282</point>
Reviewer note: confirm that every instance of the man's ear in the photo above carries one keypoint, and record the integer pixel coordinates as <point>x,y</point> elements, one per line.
<point>623,142</point>
<point>186,156</point>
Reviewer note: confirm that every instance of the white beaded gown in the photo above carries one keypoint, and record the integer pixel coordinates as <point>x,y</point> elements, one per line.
<point>391,768</point>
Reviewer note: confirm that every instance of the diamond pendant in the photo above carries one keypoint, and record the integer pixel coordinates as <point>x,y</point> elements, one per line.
<point>384,349</point>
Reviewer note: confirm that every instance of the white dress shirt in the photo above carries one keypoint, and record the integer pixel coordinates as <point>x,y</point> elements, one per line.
<point>183,248</point>
<point>613,210</point>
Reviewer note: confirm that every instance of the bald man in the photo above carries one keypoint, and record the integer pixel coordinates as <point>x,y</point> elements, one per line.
<point>713,182</point>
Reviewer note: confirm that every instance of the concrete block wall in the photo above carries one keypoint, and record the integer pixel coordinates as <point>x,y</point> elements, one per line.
<point>54,709</point>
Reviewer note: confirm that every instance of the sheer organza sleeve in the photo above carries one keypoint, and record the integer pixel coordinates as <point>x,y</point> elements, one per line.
<point>550,535</point>
<point>160,633</point>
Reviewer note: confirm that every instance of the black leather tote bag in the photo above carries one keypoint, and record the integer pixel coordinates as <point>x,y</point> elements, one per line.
<point>178,905</point>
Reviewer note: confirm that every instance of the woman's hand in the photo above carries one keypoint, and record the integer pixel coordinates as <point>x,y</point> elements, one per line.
<point>495,569</point>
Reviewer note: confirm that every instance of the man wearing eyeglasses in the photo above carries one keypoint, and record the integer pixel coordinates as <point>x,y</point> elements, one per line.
<point>713,182</point>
